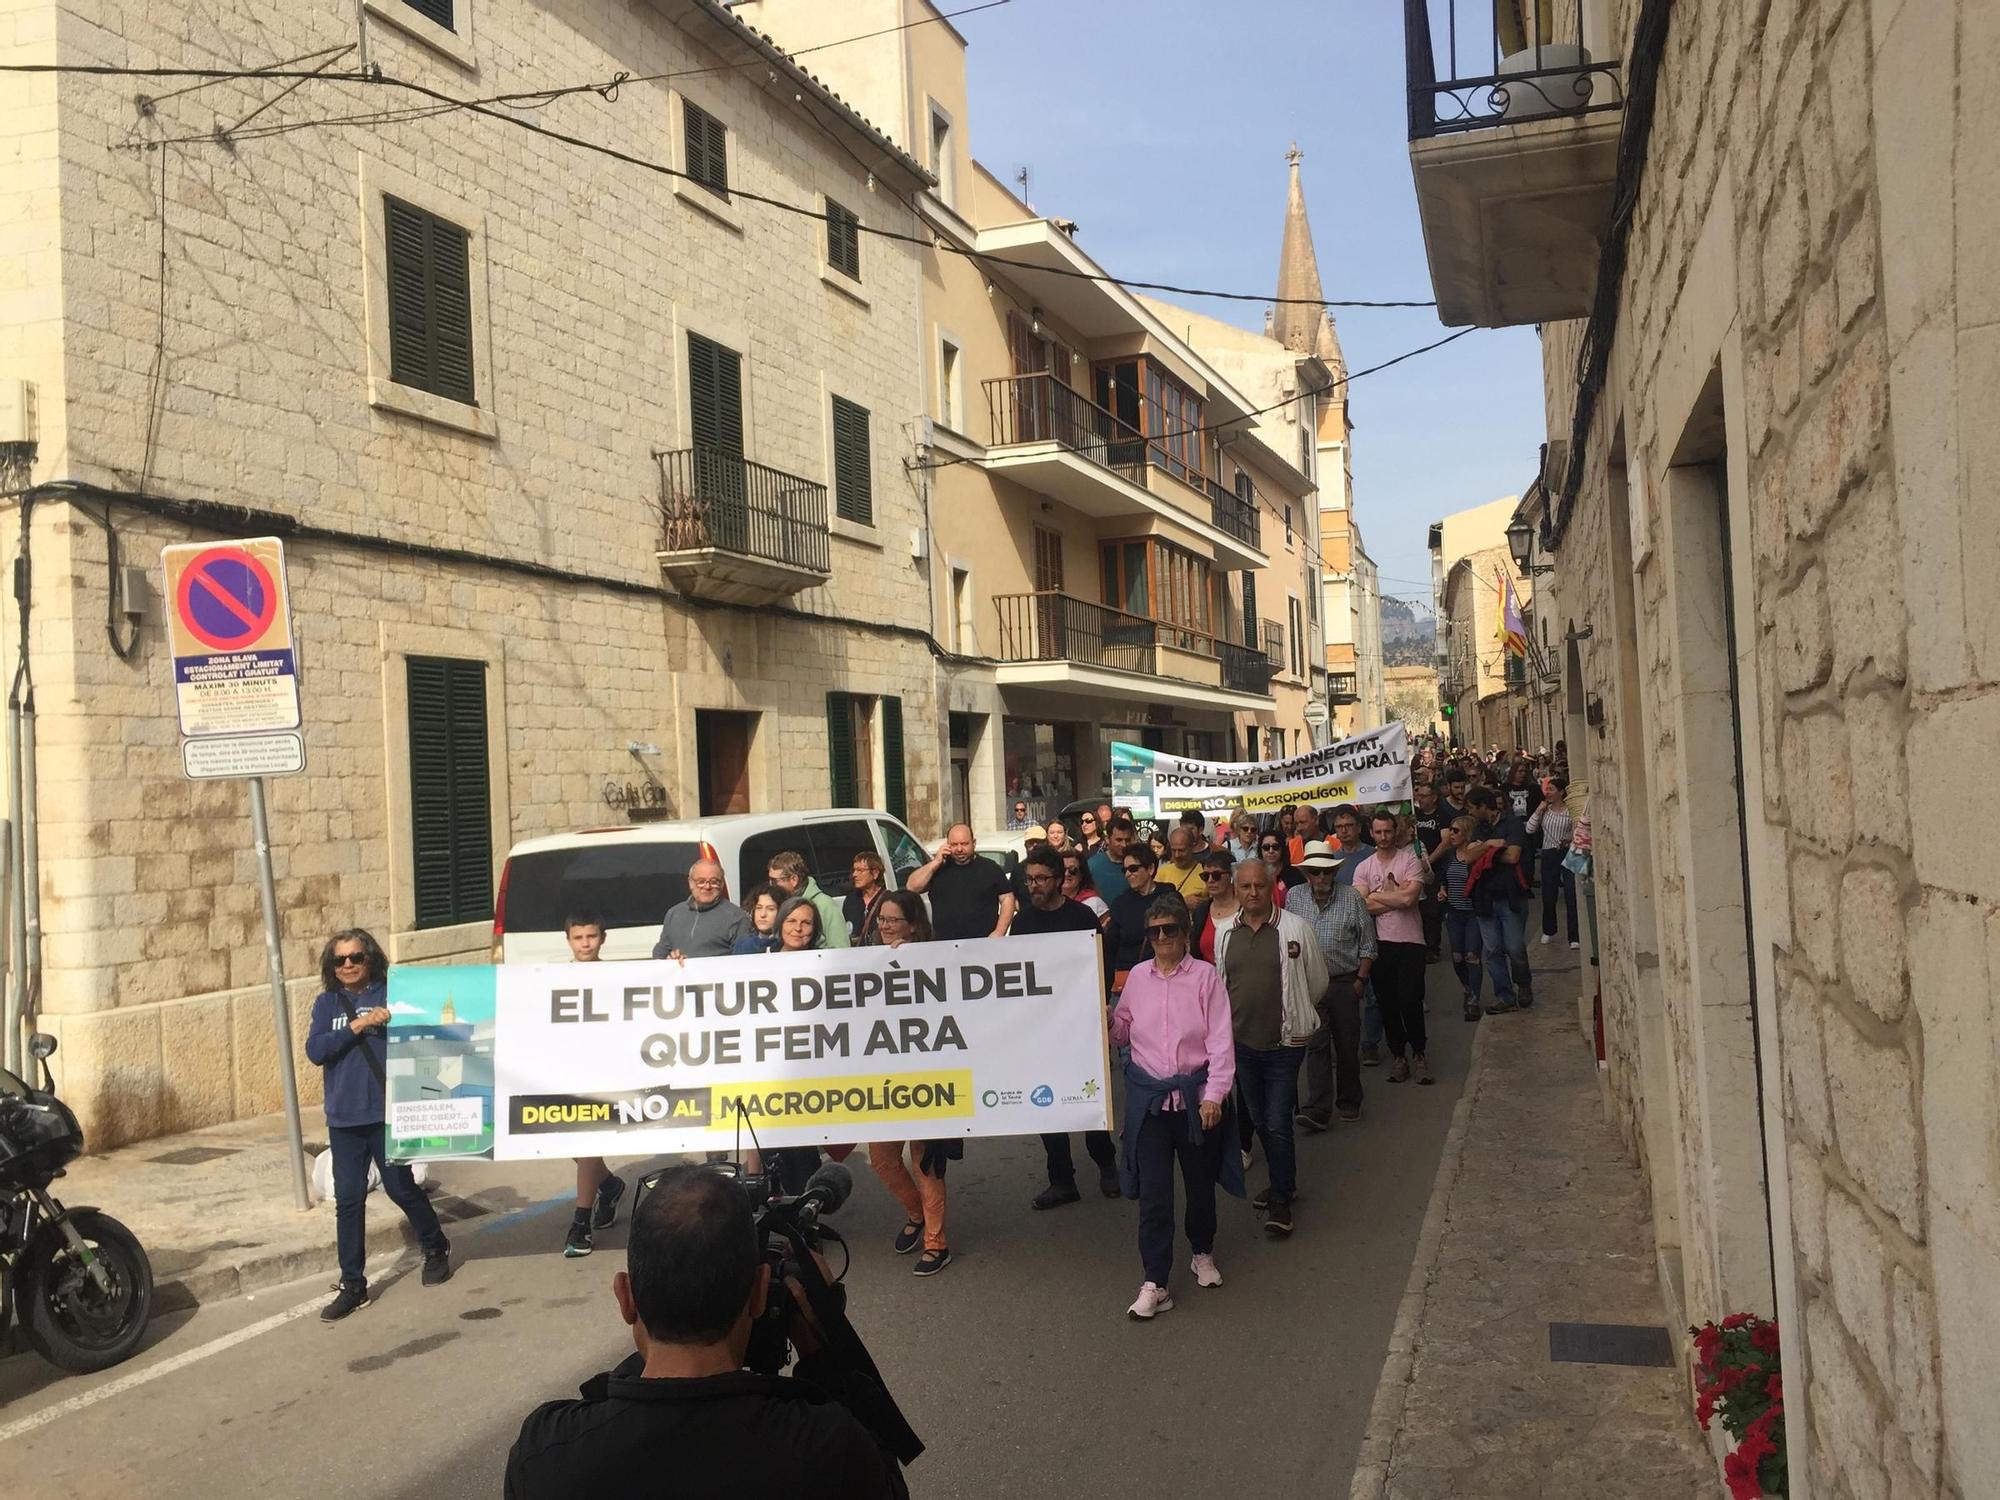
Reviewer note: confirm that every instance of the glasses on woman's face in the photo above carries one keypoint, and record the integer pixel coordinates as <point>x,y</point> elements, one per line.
<point>342,960</point>
<point>1134,868</point>
<point>1090,820</point>
<point>890,919</point>
<point>1271,846</point>
<point>1163,932</point>
<point>1214,875</point>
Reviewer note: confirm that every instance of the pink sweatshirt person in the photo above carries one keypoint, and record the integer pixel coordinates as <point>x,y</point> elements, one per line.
<point>1176,1022</point>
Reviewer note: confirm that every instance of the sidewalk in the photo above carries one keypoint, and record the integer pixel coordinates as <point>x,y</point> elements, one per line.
<point>1537,1217</point>
<point>215,1208</point>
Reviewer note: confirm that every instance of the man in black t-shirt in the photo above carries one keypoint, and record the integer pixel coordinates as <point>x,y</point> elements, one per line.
<point>682,1419</point>
<point>970,896</point>
<point>1049,910</point>
<point>1429,817</point>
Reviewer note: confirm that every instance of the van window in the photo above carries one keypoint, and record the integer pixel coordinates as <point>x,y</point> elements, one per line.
<point>905,853</point>
<point>834,846</point>
<point>754,859</point>
<point>631,883</point>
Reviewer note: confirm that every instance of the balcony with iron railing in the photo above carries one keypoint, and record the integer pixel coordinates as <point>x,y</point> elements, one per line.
<point>1057,441</point>
<point>1046,638</point>
<point>1514,115</point>
<point>740,532</point>
<point>1343,687</point>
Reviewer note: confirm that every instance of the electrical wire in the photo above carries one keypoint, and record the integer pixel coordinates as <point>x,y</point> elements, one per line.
<point>443,104</point>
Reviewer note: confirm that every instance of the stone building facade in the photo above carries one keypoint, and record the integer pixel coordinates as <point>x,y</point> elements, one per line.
<point>1774,521</point>
<point>526,534</point>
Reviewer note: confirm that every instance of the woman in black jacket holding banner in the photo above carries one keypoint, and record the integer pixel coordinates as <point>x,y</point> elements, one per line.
<point>348,1039</point>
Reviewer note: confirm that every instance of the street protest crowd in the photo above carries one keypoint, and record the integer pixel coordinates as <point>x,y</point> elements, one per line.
<point>1256,968</point>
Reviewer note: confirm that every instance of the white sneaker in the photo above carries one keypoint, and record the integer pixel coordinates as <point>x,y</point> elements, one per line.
<point>1206,1271</point>
<point>1246,1161</point>
<point>1547,939</point>
<point>1572,947</point>
<point>1152,1299</point>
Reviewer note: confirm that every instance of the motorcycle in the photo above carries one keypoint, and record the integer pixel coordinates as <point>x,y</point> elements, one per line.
<point>76,1279</point>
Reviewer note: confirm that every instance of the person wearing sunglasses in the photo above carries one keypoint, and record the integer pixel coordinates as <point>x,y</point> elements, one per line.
<point>1049,909</point>
<point>1271,849</point>
<point>1174,1016</point>
<point>348,1039</point>
<point>1125,931</point>
<point>1091,836</point>
<point>1076,884</point>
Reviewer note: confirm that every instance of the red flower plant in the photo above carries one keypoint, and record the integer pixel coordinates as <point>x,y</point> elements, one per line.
<point>1737,1379</point>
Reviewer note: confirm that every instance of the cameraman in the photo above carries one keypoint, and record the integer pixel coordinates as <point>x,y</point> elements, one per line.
<point>683,1412</point>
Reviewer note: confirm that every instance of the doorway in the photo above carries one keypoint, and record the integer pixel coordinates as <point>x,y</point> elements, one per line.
<point>722,760</point>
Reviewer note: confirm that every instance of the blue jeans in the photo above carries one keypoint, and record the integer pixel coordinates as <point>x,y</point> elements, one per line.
<point>1270,1083</point>
<point>1557,881</point>
<point>1371,1018</point>
<point>354,1147</point>
<point>1503,932</point>
<point>1463,943</point>
<point>1163,1142</point>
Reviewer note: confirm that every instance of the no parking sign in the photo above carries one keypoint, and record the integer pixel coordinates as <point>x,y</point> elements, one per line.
<point>235,665</point>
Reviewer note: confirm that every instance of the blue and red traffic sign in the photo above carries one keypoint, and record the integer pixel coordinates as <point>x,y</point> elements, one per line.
<point>235,672</point>
<point>227,599</point>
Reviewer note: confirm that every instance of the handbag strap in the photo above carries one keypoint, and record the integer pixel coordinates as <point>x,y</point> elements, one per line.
<point>367,1052</point>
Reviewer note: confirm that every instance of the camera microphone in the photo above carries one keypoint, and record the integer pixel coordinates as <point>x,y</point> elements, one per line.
<point>827,1189</point>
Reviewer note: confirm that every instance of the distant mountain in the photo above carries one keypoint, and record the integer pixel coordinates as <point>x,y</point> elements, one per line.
<point>1409,633</point>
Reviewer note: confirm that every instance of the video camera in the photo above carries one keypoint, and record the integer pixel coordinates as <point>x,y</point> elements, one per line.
<point>789,1237</point>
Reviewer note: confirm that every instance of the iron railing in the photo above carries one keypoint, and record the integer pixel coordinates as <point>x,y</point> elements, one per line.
<point>1505,61</point>
<point>1272,635</point>
<point>1343,687</point>
<point>1235,515</point>
<point>1049,626</point>
<point>1038,408</point>
<point>713,498</point>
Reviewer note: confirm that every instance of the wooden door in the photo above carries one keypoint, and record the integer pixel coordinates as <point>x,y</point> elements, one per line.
<point>722,761</point>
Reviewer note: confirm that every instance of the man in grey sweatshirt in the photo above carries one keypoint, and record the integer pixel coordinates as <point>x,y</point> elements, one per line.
<point>706,925</point>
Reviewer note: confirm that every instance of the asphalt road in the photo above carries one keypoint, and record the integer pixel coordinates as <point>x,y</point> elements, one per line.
<point>1017,1365</point>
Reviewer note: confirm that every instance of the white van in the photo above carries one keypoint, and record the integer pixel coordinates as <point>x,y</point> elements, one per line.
<point>633,872</point>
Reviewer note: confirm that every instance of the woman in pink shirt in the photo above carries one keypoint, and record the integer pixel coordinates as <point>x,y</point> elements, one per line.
<point>1174,1015</point>
<point>1391,880</point>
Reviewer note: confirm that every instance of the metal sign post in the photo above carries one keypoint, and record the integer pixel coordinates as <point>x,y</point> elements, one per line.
<point>235,672</point>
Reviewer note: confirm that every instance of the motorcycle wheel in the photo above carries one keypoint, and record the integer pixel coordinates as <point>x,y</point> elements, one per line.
<point>68,1319</point>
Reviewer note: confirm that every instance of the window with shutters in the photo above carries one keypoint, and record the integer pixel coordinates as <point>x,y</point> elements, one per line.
<point>895,800</point>
<point>451,820</point>
<point>850,747</point>
<point>439,11</point>
<point>843,239</point>
<point>715,432</point>
<point>707,145</point>
<point>1249,609</point>
<point>430,301</point>
<point>853,468</point>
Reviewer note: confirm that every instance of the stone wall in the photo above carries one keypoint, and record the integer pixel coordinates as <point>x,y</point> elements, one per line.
<point>432,532</point>
<point>1840,155</point>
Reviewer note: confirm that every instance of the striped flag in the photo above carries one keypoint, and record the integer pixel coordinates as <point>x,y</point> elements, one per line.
<point>1509,631</point>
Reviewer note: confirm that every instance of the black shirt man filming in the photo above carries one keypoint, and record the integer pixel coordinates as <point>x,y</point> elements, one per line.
<point>682,1419</point>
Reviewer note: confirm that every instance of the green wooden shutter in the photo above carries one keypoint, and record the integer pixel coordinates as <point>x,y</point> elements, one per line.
<point>894,800</point>
<point>1249,609</point>
<point>430,301</point>
<point>840,747</point>
<point>843,239</point>
<point>853,469</point>
<point>450,806</point>
<point>434,10</point>
<point>707,148</point>
<point>715,396</point>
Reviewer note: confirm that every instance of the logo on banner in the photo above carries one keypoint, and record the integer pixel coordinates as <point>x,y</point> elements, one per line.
<point>1043,1096</point>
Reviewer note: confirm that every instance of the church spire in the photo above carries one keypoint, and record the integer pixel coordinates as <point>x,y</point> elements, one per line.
<point>1296,323</point>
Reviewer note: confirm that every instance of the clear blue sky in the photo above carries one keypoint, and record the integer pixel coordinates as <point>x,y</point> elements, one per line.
<point>1161,126</point>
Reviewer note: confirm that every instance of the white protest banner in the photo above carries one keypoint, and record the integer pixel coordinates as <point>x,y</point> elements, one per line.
<point>1373,766</point>
<point>999,1036</point>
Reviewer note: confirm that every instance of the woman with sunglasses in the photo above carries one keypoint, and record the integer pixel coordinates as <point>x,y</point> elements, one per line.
<point>1174,1015</point>
<point>1076,883</point>
<point>1218,870</point>
<point>1092,834</point>
<point>348,1037</point>
<point>918,1185</point>
<point>1271,849</point>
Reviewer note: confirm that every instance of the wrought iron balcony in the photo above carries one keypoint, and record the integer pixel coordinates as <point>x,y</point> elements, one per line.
<point>1039,413</point>
<point>738,531</point>
<point>1513,144</point>
<point>1234,513</point>
<point>1343,687</point>
<point>1058,628</point>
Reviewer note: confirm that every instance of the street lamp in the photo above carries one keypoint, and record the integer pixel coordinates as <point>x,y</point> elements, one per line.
<point>1521,543</point>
